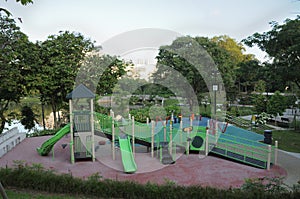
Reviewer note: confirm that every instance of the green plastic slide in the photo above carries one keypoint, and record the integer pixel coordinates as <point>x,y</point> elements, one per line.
<point>127,155</point>
<point>48,145</point>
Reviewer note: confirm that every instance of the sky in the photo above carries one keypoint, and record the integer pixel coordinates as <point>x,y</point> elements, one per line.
<point>101,20</point>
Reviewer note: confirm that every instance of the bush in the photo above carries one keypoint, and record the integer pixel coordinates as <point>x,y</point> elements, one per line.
<point>35,177</point>
<point>240,111</point>
<point>28,117</point>
<point>42,133</point>
<point>140,115</point>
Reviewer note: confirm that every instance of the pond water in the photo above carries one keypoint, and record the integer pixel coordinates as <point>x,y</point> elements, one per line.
<point>21,128</point>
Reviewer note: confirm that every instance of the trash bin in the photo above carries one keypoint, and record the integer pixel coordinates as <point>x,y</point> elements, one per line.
<point>268,137</point>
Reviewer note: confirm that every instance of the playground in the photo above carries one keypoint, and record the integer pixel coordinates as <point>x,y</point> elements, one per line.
<point>185,150</point>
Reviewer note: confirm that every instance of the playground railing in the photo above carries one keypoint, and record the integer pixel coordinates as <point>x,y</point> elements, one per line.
<point>247,151</point>
<point>81,121</point>
<point>103,123</point>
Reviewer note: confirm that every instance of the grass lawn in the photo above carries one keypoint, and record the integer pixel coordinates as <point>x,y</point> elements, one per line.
<point>24,194</point>
<point>287,140</point>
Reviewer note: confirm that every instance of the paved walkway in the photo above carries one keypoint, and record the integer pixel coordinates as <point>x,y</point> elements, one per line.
<point>291,163</point>
<point>249,117</point>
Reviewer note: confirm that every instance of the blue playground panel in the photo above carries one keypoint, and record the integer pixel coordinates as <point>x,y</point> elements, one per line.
<point>232,132</point>
<point>186,122</point>
<point>242,133</point>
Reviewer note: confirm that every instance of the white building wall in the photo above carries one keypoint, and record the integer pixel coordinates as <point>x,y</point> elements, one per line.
<point>10,139</point>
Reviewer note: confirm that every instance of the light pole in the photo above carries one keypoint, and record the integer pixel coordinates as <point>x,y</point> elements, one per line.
<point>295,116</point>
<point>215,89</point>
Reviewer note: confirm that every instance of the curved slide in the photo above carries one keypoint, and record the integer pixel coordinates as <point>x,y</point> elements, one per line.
<point>48,145</point>
<point>127,155</point>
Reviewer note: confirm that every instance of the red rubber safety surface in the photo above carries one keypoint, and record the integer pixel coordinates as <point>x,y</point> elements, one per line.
<point>188,170</point>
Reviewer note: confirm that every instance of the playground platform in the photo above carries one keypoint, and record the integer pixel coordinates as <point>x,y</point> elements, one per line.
<point>193,169</point>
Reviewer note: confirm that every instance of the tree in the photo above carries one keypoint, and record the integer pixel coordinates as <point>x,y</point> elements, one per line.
<point>235,49</point>
<point>15,63</point>
<point>247,74</point>
<point>100,73</point>
<point>60,59</point>
<point>23,2</point>
<point>276,104</point>
<point>172,68</point>
<point>260,99</point>
<point>28,117</point>
<point>222,58</point>
<point>282,44</point>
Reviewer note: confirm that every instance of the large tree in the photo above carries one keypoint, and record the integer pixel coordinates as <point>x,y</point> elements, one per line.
<point>60,59</point>
<point>16,59</point>
<point>100,73</point>
<point>234,48</point>
<point>192,57</point>
<point>282,43</point>
<point>247,74</point>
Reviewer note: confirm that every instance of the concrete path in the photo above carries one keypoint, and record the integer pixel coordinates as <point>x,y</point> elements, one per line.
<point>291,163</point>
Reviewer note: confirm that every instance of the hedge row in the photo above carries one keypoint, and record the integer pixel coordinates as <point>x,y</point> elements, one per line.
<point>42,180</point>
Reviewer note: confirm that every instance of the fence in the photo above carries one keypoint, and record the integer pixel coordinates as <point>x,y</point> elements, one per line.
<point>10,139</point>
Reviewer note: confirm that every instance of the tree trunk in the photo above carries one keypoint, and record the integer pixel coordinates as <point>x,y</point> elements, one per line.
<point>3,119</point>
<point>43,116</point>
<point>58,116</point>
<point>53,105</point>
<point>2,125</point>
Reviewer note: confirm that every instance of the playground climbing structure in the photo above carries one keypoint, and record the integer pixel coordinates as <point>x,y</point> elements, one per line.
<point>162,139</point>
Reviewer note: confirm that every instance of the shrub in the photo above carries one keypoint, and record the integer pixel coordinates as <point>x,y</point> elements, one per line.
<point>44,180</point>
<point>42,133</point>
<point>273,186</point>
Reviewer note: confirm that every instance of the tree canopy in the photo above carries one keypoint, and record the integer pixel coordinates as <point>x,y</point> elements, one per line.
<point>225,53</point>
<point>101,72</point>
<point>23,2</point>
<point>282,43</point>
<point>16,58</point>
<point>60,59</point>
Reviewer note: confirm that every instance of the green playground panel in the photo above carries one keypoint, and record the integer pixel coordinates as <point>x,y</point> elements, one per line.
<point>103,123</point>
<point>253,154</point>
<point>198,142</point>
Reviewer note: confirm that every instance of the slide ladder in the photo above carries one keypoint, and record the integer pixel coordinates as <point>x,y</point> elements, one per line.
<point>166,157</point>
<point>48,145</point>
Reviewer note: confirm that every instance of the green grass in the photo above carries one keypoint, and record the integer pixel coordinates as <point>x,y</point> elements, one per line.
<point>287,140</point>
<point>28,194</point>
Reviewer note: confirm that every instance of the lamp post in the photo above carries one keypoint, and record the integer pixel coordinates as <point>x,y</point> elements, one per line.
<point>215,89</point>
<point>295,116</point>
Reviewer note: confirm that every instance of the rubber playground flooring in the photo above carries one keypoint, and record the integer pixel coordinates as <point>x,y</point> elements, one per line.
<point>193,169</point>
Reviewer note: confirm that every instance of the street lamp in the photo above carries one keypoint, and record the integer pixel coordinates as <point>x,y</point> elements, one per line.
<point>215,89</point>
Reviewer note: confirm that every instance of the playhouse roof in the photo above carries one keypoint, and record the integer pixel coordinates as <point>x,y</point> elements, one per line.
<point>81,91</point>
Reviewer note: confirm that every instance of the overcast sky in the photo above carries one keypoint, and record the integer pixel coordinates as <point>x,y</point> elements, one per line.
<point>100,20</point>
